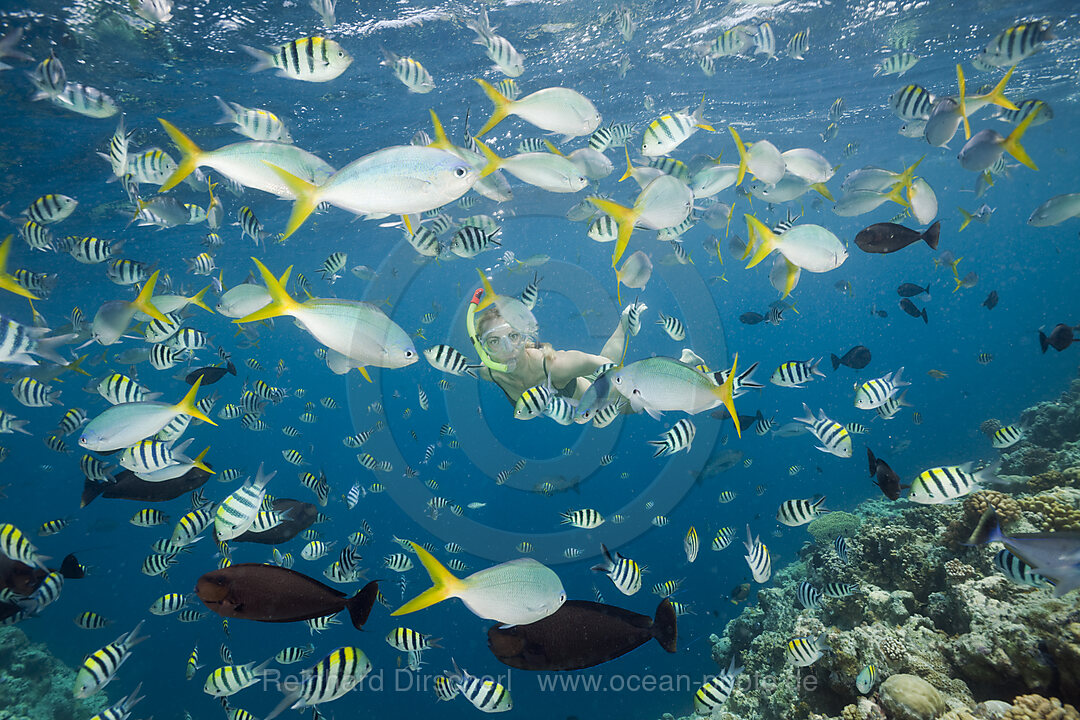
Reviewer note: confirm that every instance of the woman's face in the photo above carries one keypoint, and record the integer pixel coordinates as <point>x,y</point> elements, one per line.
<point>503,343</point>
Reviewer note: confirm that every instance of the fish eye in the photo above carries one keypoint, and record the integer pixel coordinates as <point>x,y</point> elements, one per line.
<point>460,172</point>
<point>409,354</point>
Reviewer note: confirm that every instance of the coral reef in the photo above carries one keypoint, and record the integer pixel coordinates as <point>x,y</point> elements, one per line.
<point>909,697</point>
<point>825,528</point>
<point>35,684</point>
<point>950,636</point>
<point>1036,707</point>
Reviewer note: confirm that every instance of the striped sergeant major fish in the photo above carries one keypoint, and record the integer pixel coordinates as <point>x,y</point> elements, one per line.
<point>945,484</point>
<point>757,558</point>
<point>311,59</point>
<point>1016,43</point>
<point>808,595</point>
<point>449,360</point>
<point>679,437</point>
<point>795,513</point>
<point>333,677</point>
<point>1012,567</point>
<point>872,394</point>
<point>487,694</point>
<point>805,651</point>
<point>623,571</point>
<point>834,437</point>
<point>231,679</point>
<point>795,373</point>
<point>410,72</point>
<point>716,691</point>
<point>100,666</point>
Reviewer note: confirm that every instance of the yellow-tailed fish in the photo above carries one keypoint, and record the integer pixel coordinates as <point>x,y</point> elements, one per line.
<point>123,425</point>
<point>356,334</point>
<point>517,592</point>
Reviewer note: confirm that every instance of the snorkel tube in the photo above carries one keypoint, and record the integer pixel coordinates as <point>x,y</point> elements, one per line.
<point>470,327</point>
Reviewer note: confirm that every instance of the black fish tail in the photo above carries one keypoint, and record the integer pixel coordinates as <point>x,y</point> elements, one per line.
<point>988,530</point>
<point>360,604</point>
<point>93,488</point>
<point>835,361</point>
<point>931,235</point>
<point>1043,342</point>
<point>924,318</point>
<point>664,625</point>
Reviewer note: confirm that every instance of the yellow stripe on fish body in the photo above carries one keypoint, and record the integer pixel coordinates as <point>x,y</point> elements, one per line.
<point>943,484</point>
<point>691,544</point>
<point>231,679</point>
<point>169,603</point>
<point>1007,436</point>
<point>90,620</point>
<point>100,666</point>
<point>805,651</point>
<point>716,691</point>
<point>312,59</point>
<point>724,537</point>
<point>487,695</point>
<point>334,676</point>
<point>408,640</point>
<point>13,544</point>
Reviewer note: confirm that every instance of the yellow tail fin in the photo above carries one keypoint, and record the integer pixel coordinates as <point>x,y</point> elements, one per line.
<point>629,168</point>
<point>197,299</point>
<point>896,194</point>
<point>791,274</point>
<point>198,462</point>
<point>725,393</point>
<point>961,101</point>
<point>444,584</point>
<point>551,146</point>
<point>281,303</point>
<point>8,282</point>
<point>502,107</point>
<point>625,217</point>
<point>76,365</point>
<point>493,160</point>
<point>187,405</point>
<point>190,154</point>
<point>823,191</point>
<point>967,219</point>
<point>142,302</point>
<point>997,95</point>
<point>1012,143</point>
<point>441,141</point>
<point>742,155</point>
<point>489,292</point>
<point>756,228</point>
<point>307,199</point>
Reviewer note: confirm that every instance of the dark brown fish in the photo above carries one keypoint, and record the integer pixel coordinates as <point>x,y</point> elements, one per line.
<point>913,290</point>
<point>210,375</point>
<point>581,634</point>
<point>856,358</point>
<point>890,237</point>
<point>300,517</point>
<point>125,485</point>
<point>885,477</point>
<point>268,593</point>
<point>751,318</point>
<point>23,579</point>
<point>909,307</point>
<point>740,593</point>
<point>1060,338</point>
<point>991,300</point>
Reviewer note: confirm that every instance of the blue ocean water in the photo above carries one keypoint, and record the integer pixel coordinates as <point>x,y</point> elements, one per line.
<point>174,70</point>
